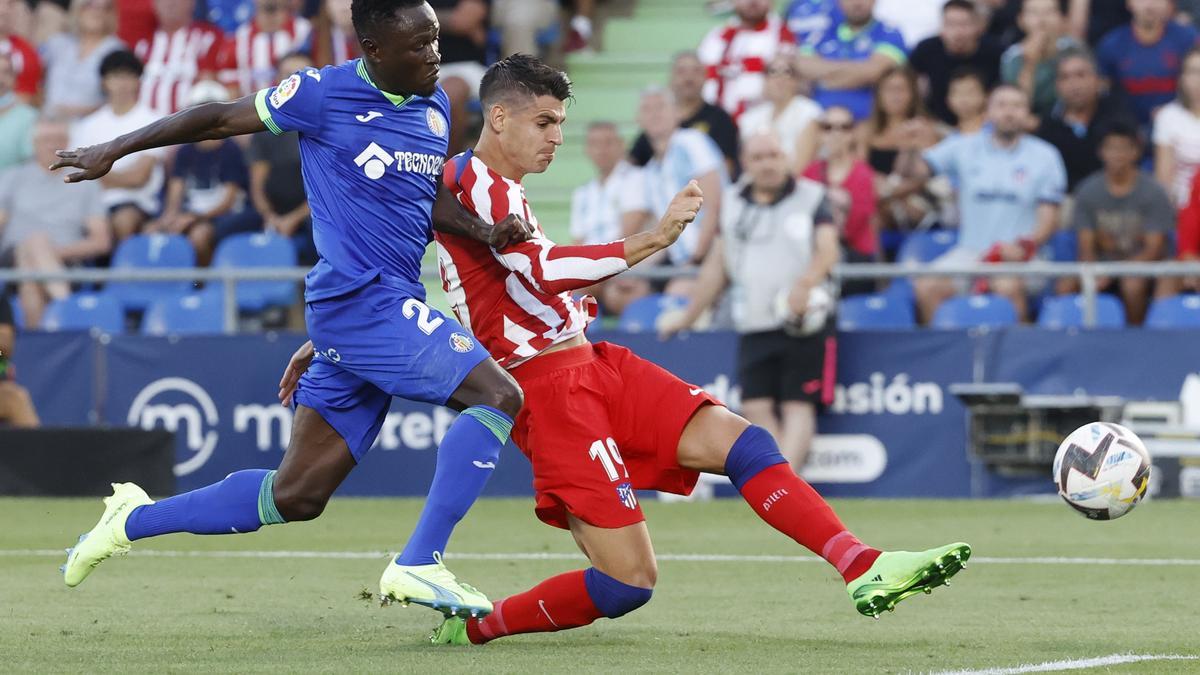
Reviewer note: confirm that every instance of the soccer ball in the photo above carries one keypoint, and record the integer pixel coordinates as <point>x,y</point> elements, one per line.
<point>1102,470</point>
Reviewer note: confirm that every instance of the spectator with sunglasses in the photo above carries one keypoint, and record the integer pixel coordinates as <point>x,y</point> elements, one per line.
<point>16,407</point>
<point>787,112</point>
<point>249,55</point>
<point>849,185</point>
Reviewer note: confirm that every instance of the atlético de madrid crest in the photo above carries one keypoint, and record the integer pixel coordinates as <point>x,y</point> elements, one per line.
<point>436,122</point>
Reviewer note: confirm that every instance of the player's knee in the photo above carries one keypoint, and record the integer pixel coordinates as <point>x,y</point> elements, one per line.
<point>298,504</point>
<point>617,598</point>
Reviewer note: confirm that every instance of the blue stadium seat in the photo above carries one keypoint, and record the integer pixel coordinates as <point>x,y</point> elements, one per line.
<point>901,288</point>
<point>975,311</point>
<point>192,314</point>
<point>1066,311</point>
<point>18,314</point>
<point>925,245</point>
<point>1064,246</point>
<point>151,251</point>
<point>641,314</point>
<point>875,312</point>
<point>258,250</point>
<point>1177,311</point>
<point>84,311</point>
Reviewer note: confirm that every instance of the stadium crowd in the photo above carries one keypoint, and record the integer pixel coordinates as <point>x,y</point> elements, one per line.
<point>1024,129</point>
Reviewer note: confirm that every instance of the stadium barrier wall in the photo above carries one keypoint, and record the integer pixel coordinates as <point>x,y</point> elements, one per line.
<point>894,429</point>
<point>67,462</point>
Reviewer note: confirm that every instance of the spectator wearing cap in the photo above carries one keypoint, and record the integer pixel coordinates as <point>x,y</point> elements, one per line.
<point>1084,109</point>
<point>960,44</point>
<point>16,120</point>
<point>73,59</point>
<point>735,55</point>
<point>1031,64</point>
<point>850,57</point>
<point>208,183</point>
<point>686,85</point>
<point>1122,214</point>
<point>132,187</point>
<point>16,406</point>
<point>47,224</point>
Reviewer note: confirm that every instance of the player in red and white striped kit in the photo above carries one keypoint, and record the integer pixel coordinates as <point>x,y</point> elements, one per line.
<point>599,422</point>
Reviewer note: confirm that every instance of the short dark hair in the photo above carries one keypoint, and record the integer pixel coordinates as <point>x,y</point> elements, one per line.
<point>121,61</point>
<point>522,74</point>
<point>1122,129</point>
<point>969,73</point>
<point>367,15</point>
<point>964,5</point>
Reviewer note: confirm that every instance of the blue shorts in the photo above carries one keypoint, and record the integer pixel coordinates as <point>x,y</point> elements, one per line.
<point>376,342</point>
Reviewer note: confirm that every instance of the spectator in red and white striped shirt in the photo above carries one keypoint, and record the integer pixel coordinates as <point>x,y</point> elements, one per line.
<point>182,52</point>
<point>333,40</point>
<point>736,55</point>
<point>252,53</point>
<point>21,54</point>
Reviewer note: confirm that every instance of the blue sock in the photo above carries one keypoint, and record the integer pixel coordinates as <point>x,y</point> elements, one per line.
<point>243,502</point>
<point>752,452</point>
<point>465,460</point>
<point>614,598</point>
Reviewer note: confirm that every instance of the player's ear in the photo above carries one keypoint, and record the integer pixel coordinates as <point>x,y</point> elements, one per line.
<point>497,116</point>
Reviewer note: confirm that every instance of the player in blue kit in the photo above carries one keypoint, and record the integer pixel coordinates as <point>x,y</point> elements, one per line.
<point>372,162</point>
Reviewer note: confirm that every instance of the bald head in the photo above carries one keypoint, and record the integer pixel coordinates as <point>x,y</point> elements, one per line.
<point>764,161</point>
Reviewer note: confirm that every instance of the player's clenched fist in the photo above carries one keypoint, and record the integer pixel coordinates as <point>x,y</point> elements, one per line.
<point>681,211</point>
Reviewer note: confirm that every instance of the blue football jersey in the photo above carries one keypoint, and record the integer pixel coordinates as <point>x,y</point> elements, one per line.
<point>372,162</point>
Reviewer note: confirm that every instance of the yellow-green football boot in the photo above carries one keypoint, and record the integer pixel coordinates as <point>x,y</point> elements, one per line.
<point>107,538</point>
<point>896,575</point>
<point>433,586</point>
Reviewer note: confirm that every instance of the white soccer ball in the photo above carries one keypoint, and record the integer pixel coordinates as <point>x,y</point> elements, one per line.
<point>1102,470</point>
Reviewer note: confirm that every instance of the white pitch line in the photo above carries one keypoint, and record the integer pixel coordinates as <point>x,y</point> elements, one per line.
<point>668,557</point>
<point>1074,664</point>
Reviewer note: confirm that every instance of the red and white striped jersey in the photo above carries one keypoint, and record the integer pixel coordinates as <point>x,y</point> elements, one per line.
<point>735,59</point>
<point>251,55</point>
<point>175,61</point>
<point>517,301</point>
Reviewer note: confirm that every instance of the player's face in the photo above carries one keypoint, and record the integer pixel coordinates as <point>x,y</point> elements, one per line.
<point>532,131</point>
<point>1078,84</point>
<point>405,53</point>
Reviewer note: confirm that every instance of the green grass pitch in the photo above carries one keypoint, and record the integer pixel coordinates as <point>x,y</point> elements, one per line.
<point>218,604</point>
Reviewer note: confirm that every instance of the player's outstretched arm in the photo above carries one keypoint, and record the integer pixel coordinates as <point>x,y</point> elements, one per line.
<point>451,217</point>
<point>203,122</point>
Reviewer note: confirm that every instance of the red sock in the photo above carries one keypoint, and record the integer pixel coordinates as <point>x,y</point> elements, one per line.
<point>558,603</point>
<point>788,504</point>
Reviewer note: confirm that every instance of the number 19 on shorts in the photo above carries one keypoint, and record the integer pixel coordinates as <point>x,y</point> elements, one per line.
<point>606,451</point>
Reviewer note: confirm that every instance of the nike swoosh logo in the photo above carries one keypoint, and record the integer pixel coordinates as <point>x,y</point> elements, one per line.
<point>542,604</point>
<point>695,392</point>
<point>369,116</point>
<point>484,465</point>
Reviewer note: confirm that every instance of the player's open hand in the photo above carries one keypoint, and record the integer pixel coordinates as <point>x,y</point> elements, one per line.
<point>93,162</point>
<point>681,212</point>
<point>513,229</point>
<point>295,368</point>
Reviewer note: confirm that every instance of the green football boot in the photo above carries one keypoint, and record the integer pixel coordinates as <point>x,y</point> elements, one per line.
<point>107,538</point>
<point>896,575</point>
<point>452,631</point>
<point>433,586</point>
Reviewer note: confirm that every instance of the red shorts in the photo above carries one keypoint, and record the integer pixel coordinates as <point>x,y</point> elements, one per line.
<point>600,422</point>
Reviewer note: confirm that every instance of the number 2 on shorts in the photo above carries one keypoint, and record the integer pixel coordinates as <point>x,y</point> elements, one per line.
<point>421,310</point>
<point>609,458</point>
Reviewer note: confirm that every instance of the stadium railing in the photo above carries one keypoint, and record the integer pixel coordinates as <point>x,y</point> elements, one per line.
<point>1089,275</point>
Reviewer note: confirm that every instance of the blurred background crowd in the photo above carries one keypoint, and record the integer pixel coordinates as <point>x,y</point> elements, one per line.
<point>946,132</point>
